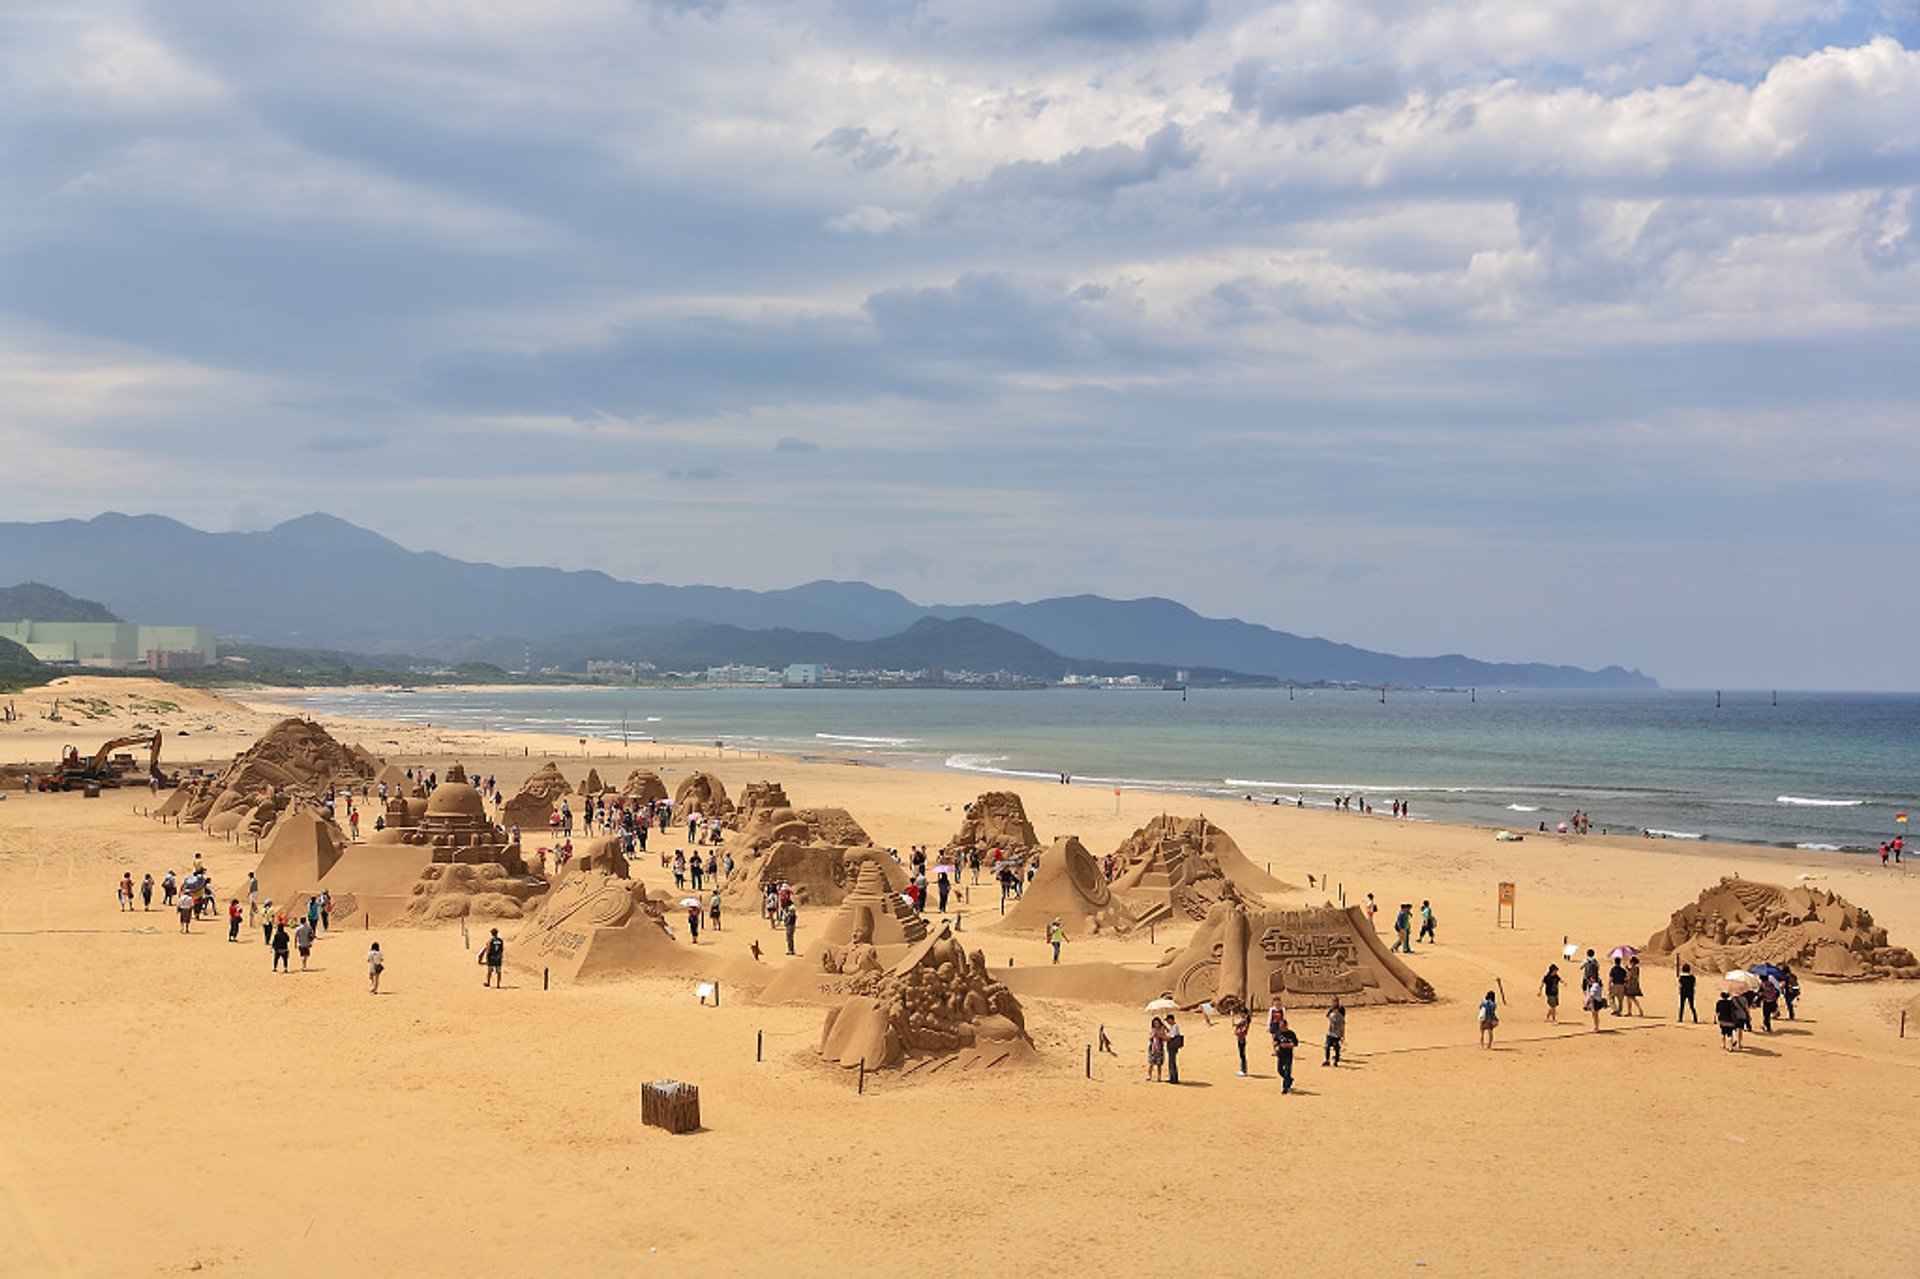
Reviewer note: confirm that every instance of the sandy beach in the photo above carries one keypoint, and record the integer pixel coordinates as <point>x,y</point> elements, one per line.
<point>173,1106</point>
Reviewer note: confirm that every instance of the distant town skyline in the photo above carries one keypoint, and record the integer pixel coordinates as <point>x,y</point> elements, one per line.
<point>1582,334</point>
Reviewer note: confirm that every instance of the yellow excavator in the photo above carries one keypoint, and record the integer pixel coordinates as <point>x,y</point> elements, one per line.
<point>100,769</point>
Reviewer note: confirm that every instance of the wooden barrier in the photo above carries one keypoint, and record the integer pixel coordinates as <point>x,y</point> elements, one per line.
<point>669,1104</point>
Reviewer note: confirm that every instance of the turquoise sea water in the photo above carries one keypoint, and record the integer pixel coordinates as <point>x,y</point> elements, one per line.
<point>1817,770</point>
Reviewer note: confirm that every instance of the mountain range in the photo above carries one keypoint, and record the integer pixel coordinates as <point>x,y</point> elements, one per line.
<point>283,586</point>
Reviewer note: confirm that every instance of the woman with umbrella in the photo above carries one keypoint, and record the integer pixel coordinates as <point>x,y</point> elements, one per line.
<point>1156,1049</point>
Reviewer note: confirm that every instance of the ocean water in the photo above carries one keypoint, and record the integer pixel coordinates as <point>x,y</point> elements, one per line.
<point>1820,771</point>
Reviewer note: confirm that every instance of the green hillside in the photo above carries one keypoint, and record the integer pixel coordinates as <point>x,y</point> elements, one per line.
<point>38,602</point>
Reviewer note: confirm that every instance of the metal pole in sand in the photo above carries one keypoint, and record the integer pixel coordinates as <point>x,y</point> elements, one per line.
<point>863,1075</point>
<point>1089,1061</point>
<point>759,1043</point>
<point>546,976</point>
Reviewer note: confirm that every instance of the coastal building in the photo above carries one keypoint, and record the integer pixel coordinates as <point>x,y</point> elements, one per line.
<point>733,673</point>
<point>803,675</point>
<point>114,645</point>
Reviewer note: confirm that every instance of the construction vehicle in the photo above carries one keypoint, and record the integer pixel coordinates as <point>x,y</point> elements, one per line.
<point>101,769</point>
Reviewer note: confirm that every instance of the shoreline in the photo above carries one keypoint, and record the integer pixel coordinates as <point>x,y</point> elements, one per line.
<point>930,764</point>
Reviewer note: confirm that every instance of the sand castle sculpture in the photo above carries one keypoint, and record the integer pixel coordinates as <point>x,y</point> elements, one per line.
<point>598,922</point>
<point>937,1003</point>
<point>996,819</point>
<point>872,929</point>
<point>1244,956</point>
<point>1181,868</point>
<point>294,758</point>
<point>534,804</point>
<point>815,851</point>
<point>701,793</point>
<point>1738,923</point>
<point>644,785</point>
<point>1070,887</point>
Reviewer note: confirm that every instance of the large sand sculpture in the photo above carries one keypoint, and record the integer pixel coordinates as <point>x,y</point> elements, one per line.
<point>644,784</point>
<point>997,819</point>
<point>591,783</point>
<point>598,923</point>
<point>1070,887</point>
<point>448,892</point>
<point>1184,867</point>
<point>702,793</point>
<point>1740,922</point>
<point>936,1003</point>
<point>303,849</point>
<point>1243,955</point>
<point>530,809</point>
<point>294,757</point>
<point>873,928</point>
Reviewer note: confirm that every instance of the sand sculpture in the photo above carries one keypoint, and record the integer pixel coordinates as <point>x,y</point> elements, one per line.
<point>598,922</point>
<point>302,851</point>
<point>295,756</point>
<point>702,793</point>
<point>1738,923</point>
<point>530,809</point>
<point>1183,867</point>
<point>819,875</point>
<point>1070,887</point>
<point>446,892</point>
<point>455,827</point>
<point>644,784</point>
<point>1246,955</point>
<point>997,819</point>
<point>873,911</point>
<point>936,1001</point>
<point>591,784</point>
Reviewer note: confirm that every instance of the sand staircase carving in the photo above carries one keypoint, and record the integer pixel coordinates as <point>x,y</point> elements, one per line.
<point>873,912</point>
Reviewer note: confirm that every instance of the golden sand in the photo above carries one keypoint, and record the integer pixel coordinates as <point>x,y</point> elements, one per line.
<point>171,1105</point>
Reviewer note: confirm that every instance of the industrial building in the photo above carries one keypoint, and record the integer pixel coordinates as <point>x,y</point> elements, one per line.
<point>114,645</point>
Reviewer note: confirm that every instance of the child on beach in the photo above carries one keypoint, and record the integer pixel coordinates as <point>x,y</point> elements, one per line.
<point>376,964</point>
<point>1489,1018</point>
<point>1550,987</point>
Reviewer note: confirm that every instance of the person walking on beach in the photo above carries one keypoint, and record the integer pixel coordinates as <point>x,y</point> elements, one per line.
<point>1617,989</point>
<point>1336,1033</point>
<point>713,909</point>
<point>1489,1018</point>
<point>281,945</point>
<point>1789,988</point>
<point>185,904</point>
<point>1156,1049</point>
<point>376,964</point>
<point>1687,983</point>
<point>1550,987</point>
<point>1727,1018</point>
<point>123,891</point>
<point>146,891</point>
<point>1634,1007</point>
<point>1769,1000</point>
<point>1371,908</point>
<point>253,898</point>
<point>1595,1000</point>
<point>168,887</point>
<point>233,920</point>
<point>1284,1042</point>
<point>1403,929</point>
<point>790,917</point>
<point>1056,934</point>
<point>1589,970</point>
<point>1426,921</point>
<point>326,910</point>
<point>494,956</point>
<point>1175,1042</point>
<point>303,942</point>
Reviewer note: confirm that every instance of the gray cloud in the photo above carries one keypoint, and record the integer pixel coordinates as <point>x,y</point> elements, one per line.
<point>794,444</point>
<point>861,148</point>
<point>1091,173</point>
<point>1311,91</point>
<point>343,443</point>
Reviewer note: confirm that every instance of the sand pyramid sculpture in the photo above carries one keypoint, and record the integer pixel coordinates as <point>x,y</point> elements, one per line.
<point>935,1007</point>
<point>591,783</point>
<point>599,923</point>
<point>302,850</point>
<point>995,819</point>
<point>874,911</point>
<point>1181,868</point>
<point>1069,887</point>
<point>1738,923</point>
<point>1244,956</point>
<point>644,784</point>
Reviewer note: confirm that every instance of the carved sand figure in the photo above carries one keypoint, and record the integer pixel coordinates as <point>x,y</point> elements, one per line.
<point>1069,887</point>
<point>997,819</point>
<point>703,793</point>
<point>1180,868</point>
<point>644,785</point>
<point>295,757</point>
<point>531,807</point>
<point>598,923</point>
<point>936,1004</point>
<point>1739,923</point>
<point>1246,956</point>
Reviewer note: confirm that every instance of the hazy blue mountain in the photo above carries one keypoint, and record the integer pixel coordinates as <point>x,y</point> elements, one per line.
<point>284,586</point>
<point>37,602</point>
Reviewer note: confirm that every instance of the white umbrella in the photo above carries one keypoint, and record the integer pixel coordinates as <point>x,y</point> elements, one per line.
<point>690,901</point>
<point>1162,1006</point>
<point>1742,977</point>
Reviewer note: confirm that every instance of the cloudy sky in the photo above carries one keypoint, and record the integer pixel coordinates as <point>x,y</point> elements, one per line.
<point>1551,331</point>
